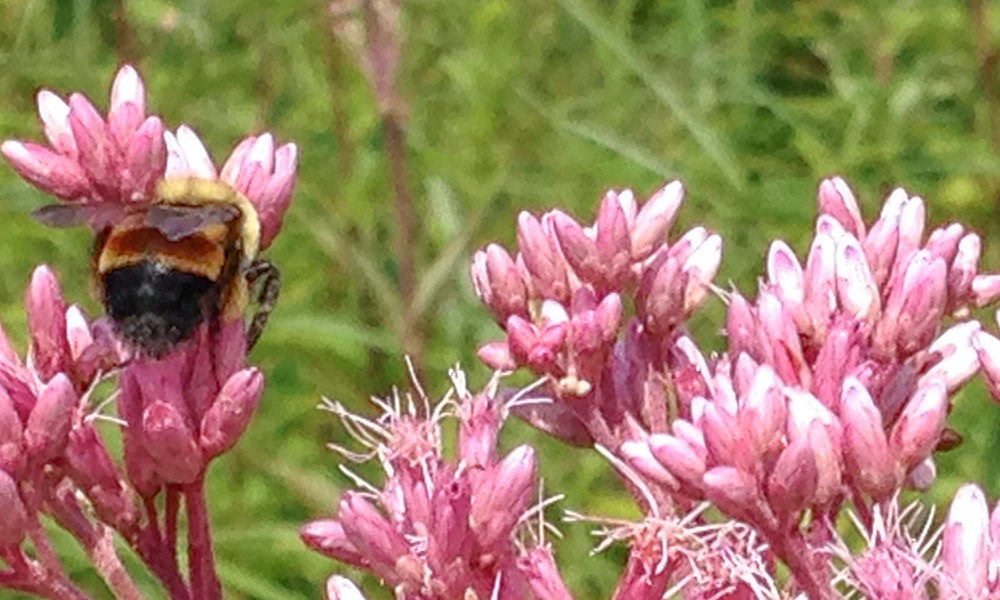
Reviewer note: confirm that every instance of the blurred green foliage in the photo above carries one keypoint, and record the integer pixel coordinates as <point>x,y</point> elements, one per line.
<point>510,107</point>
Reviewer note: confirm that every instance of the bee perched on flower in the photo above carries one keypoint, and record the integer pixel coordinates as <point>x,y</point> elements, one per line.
<point>176,242</point>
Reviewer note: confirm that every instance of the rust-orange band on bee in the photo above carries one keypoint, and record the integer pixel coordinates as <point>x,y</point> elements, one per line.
<point>200,254</point>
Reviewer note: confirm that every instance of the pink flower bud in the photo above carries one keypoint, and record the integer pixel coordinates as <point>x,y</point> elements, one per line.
<point>479,429</point>
<point>988,350</point>
<point>867,458</point>
<point>964,268</point>
<point>11,436</point>
<point>654,220</point>
<point>541,258</point>
<point>943,242</point>
<point>145,161</point>
<point>505,493</point>
<point>684,462</point>
<point>170,443</point>
<point>660,299</point>
<point>985,289</point>
<point>882,241</point>
<point>734,492</point>
<point>13,517</point>
<point>187,156</point>
<point>379,544</point>
<point>229,415</point>
<point>821,283</point>
<point>54,114</point>
<point>579,249</point>
<point>497,356</point>
<point>726,441</point>
<point>47,323</point>
<point>964,545</point>
<point>794,479</point>
<point>48,171</point>
<point>95,144</point>
<point>47,430</point>
<point>641,580</point>
<point>128,105</point>
<point>614,245</point>
<point>341,588</point>
<point>507,290</point>
<point>856,289</point>
<point>700,269</point>
<point>785,275</point>
<point>919,427</point>
<point>327,537</point>
<point>637,454</point>
<point>837,200</point>
<point>539,567</point>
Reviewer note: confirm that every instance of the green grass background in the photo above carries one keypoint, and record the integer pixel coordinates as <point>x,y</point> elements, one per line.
<point>512,106</point>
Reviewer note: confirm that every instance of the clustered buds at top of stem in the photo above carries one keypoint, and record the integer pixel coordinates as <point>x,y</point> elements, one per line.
<point>835,384</point>
<point>439,527</point>
<point>90,157</point>
<point>179,411</point>
<point>562,300</point>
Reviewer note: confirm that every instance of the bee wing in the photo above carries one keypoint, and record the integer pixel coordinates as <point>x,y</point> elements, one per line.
<point>177,222</point>
<point>98,216</point>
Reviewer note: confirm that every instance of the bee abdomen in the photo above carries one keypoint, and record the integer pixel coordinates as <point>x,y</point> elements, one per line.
<point>156,307</point>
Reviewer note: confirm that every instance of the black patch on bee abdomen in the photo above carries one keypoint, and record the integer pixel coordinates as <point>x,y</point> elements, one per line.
<point>156,307</point>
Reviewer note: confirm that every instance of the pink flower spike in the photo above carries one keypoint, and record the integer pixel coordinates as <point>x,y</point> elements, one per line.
<point>48,171</point>
<point>654,220</point>
<point>964,545</point>
<point>230,414</point>
<point>170,443</point>
<point>54,113</point>
<point>342,588</point>
<point>837,200</point>
<point>13,518</point>
<point>48,426</point>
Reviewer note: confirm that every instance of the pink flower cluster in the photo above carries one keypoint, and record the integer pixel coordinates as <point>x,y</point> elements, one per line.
<point>178,412</point>
<point>439,527</point>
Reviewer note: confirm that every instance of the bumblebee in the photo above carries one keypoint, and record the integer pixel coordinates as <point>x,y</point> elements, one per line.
<point>188,257</point>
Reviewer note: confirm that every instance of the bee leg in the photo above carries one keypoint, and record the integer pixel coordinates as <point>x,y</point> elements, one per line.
<point>265,279</point>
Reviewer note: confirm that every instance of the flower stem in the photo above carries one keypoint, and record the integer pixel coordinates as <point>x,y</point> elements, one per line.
<point>204,580</point>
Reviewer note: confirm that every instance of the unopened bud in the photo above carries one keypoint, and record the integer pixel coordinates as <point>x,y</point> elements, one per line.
<point>170,443</point>
<point>13,516</point>
<point>228,417</point>
<point>49,423</point>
